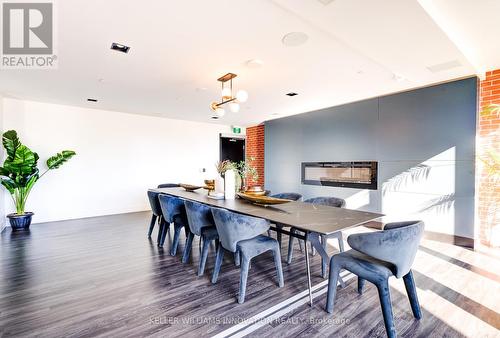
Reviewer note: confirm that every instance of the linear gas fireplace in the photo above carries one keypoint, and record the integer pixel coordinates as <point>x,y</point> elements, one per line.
<point>358,174</point>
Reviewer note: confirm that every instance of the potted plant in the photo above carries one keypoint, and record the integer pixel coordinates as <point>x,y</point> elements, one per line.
<point>19,174</point>
<point>247,172</point>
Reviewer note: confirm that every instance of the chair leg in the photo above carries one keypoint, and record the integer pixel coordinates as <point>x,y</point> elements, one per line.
<point>204,255</point>
<point>361,284</point>
<point>245,265</point>
<point>165,227</point>
<point>385,302</point>
<point>341,241</point>
<point>165,230</point>
<point>412,294</point>
<point>277,263</point>
<point>279,234</point>
<point>175,242</point>
<point>218,262</point>
<point>152,225</point>
<point>332,284</point>
<point>161,228</point>
<point>187,247</point>
<point>323,261</point>
<point>291,239</point>
<point>237,258</point>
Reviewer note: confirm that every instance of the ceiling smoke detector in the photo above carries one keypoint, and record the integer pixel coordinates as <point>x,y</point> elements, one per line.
<point>254,63</point>
<point>294,39</point>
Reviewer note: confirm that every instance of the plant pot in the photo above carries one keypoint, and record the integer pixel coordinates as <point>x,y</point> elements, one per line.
<point>20,222</point>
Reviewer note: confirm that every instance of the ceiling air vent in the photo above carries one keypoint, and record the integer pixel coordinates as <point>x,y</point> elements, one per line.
<point>444,66</point>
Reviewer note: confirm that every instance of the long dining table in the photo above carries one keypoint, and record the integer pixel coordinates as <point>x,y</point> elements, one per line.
<point>313,220</point>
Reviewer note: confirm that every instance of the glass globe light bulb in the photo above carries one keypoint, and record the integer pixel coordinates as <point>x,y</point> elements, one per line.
<point>234,107</point>
<point>242,96</point>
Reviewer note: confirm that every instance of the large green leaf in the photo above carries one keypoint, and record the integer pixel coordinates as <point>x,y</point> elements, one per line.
<point>11,143</point>
<point>31,181</point>
<point>23,163</point>
<point>59,159</point>
<point>9,184</point>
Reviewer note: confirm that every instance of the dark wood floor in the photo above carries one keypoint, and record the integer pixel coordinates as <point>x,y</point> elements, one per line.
<point>102,277</point>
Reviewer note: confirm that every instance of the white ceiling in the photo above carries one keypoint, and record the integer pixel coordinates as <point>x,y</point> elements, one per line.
<point>180,47</point>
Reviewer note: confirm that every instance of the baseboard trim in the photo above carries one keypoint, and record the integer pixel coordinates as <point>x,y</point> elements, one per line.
<point>465,242</point>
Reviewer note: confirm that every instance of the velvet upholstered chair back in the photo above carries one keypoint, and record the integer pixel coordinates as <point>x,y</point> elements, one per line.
<point>329,201</point>
<point>155,203</point>
<point>173,209</point>
<point>288,196</point>
<point>199,216</point>
<point>168,185</point>
<point>233,227</point>
<point>396,244</point>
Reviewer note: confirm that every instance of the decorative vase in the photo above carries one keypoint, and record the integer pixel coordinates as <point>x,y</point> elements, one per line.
<point>20,222</point>
<point>230,185</point>
<point>219,185</point>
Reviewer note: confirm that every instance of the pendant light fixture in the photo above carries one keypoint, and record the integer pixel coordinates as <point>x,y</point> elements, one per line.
<point>227,97</point>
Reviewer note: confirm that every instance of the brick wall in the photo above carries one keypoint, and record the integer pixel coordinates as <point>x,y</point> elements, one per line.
<point>255,149</point>
<point>488,146</point>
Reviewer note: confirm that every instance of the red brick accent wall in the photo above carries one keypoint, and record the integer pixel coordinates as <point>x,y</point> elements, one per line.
<point>488,143</point>
<point>255,149</point>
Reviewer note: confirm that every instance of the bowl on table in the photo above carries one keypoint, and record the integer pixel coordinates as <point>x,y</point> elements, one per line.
<point>255,191</point>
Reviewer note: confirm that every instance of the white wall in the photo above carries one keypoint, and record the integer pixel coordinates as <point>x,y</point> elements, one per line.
<point>119,156</point>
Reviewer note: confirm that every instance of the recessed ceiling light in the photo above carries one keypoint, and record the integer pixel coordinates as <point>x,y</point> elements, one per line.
<point>91,100</point>
<point>254,63</point>
<point>119,47</point>
<point>291,94</point>
<point>294,39</point>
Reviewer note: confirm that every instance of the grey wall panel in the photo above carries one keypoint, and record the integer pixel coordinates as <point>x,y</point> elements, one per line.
<point>424,142</point>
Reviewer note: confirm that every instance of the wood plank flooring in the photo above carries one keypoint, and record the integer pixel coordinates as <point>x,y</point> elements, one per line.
<point>101,277</point>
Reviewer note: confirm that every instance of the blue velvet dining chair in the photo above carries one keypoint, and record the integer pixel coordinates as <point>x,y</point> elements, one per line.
<point>292,196</point>
<point>243,234</point>
<point>157,213</point>
<point>376,256</point>
<point>201,223</point>
<point>168,185</point>
<point>328,201</point>
<point>173,212</point>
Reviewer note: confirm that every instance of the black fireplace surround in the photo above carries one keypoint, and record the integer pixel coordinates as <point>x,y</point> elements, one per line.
<point>355,174</point>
